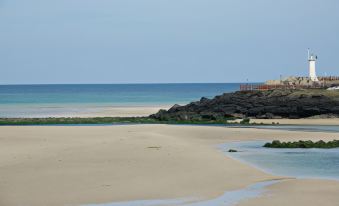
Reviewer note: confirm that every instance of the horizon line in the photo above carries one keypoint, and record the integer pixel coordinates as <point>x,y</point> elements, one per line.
<point>37,84</point>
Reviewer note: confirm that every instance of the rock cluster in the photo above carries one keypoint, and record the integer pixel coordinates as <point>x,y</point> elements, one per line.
<point>257,104</point>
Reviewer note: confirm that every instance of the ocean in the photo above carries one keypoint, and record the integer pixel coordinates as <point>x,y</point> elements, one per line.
<point>65,100</point>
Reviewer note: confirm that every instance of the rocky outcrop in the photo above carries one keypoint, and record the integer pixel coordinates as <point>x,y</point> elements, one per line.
<point>257,104</point>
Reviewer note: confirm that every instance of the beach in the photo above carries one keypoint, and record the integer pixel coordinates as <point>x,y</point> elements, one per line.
<point>39,111</point>
<point>169,103</point>
<point>118,111</point>
<point>78,165</point>
<point>320,121</point>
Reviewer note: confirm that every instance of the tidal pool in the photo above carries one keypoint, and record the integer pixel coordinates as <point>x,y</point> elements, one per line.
<point>299,163</point>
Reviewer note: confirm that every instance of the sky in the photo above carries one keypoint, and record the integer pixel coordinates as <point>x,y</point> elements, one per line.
<point>164,41</point>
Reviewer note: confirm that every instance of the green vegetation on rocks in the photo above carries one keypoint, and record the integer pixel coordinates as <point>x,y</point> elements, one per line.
<point>303,144</point>
<point>74,120</point>
<point>104,120</point>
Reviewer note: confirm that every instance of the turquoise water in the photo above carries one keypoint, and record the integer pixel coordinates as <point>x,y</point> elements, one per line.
<point>51,100</point>
<point>299,163</point>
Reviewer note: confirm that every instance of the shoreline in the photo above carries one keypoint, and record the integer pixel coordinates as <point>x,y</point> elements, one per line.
<point>166,161</point>
<point>286,175</point>
<point>138,111</point>
<point>102,120</point>
<point>320,121</point>
<point>85,111</point>
<point>93,111</point>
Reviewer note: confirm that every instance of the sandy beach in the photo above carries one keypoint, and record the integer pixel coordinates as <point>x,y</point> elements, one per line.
<point>90,111</point>
<point>57,165</point>
<point>123,111</point>
<point>329,121</point>
<point>169,103</point>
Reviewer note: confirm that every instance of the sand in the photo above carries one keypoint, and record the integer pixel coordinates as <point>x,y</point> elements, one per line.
<point>329,121</point>
<point>58,165</point>
<point>104,111</point>
<point>132,111</point>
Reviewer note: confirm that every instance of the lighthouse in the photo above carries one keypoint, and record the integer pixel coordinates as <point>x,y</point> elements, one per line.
<point>312,59</point>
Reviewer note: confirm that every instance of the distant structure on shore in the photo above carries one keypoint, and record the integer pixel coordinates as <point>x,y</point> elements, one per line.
<point>312,59</point>
<point>294,82</point>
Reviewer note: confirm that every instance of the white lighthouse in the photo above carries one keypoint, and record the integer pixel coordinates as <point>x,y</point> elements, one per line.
<point>312,59</point>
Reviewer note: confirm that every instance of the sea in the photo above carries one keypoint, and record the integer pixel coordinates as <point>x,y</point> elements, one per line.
<point>76,99</point>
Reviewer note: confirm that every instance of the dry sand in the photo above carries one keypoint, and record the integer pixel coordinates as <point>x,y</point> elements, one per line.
<point>57,165</point>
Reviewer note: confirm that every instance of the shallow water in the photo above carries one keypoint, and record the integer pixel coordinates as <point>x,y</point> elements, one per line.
<point>299,163</point>
<point>229,198</point>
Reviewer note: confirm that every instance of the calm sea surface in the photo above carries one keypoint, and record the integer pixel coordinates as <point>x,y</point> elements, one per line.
<point>300,163</point>
<point>45,100</point>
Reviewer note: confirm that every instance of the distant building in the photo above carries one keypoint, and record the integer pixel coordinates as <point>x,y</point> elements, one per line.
<point>312,60</point>
<point>295,82</point>
<point>311,81</point>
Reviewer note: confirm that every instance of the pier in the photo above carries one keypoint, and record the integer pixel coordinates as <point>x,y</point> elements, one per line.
<point>264,87</point>
<point>323,82</point>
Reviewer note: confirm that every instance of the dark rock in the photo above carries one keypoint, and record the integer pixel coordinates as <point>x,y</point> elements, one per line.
<point>174,108</point>
<point>259,104</point>
<point>204,99</point>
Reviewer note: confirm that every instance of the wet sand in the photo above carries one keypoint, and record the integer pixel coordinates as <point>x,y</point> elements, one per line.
<point>133,111</point>
<point>298,192</point>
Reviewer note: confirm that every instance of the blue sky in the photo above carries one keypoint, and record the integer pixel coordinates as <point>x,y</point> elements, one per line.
<point>156,41</point>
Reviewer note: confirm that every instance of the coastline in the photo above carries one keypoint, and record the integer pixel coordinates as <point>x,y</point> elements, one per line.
<point>320,121</point>
<point>308,192</point>
<point>66,165</point>
<point>123,111</point>
<point>87,111</point>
